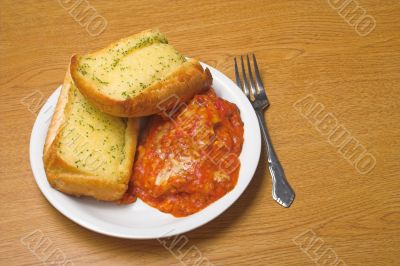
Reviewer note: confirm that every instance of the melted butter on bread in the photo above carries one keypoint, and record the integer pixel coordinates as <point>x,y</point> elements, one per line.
<point>91,140</point>
<point>88,152</point>
<point>131,76</point>
<point>133,72</point>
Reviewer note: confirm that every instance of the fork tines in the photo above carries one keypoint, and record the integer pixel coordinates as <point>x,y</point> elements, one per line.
<point>252,89</point>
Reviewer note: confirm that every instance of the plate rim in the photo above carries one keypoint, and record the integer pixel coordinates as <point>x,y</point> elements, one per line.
<point>217,75</point>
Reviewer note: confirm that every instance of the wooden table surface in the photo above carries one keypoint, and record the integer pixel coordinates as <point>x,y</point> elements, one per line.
<point>325,72</point>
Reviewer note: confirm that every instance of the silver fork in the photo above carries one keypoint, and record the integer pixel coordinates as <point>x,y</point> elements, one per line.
<point>281,190</point>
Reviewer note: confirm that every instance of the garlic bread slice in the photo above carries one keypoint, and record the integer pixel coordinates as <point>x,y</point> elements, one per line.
<point>131,76</point>
<point>88,152</point>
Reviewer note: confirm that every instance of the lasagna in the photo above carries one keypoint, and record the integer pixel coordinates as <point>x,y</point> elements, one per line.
<point>189,158</point>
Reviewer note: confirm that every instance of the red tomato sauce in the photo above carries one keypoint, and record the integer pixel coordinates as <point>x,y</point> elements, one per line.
<point>190,159</point>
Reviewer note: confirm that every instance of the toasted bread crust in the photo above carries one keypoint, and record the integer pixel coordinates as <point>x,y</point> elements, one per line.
<point>189,79</point>
<point>67,178</point>
<point>58,115</point>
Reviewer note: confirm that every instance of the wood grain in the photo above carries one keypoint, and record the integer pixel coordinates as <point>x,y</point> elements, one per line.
<point>303,47</point>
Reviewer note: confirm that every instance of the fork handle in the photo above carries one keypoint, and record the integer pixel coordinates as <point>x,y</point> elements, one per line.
<point>281,190</point>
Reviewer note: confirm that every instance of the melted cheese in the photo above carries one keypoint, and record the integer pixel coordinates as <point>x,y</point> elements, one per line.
<point>174,168</point>
<point>221,176</point>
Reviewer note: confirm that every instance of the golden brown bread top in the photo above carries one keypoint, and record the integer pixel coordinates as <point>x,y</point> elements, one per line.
<point>88,152</point>
<point>131,76</point>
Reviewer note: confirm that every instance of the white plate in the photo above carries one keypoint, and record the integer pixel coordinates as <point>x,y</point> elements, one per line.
<point>139,220</point>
